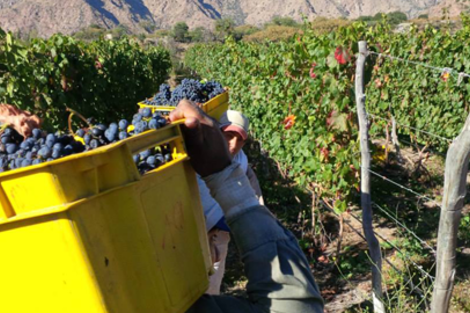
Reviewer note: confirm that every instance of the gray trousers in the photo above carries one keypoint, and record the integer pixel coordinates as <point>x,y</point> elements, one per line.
<point>279,276</point>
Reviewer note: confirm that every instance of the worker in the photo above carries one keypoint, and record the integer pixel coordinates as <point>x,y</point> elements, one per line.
<point>22,121</point>
<point>235,127</point>
<point>279,276</point>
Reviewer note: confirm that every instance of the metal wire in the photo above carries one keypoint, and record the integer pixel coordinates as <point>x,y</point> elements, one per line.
<point>414,128</point>
<point>421,292</point>
<point>403,187</point>
<point>406,228</point>
<point>410,144</point>
<point>430,149</point>
<point>449,70</point>
<point>417,266</point>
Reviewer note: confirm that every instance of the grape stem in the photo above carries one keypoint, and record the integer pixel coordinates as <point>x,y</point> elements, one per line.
<point>72,113</point>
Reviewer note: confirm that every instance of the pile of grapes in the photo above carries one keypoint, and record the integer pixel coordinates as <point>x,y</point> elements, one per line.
<point>17,152</point>
<point>199,92</point>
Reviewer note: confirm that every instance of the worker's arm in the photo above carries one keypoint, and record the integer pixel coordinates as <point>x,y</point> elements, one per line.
<point>279,276</point>
<point>212,211</point>
<point>22,121</point>
<point>255,184</point>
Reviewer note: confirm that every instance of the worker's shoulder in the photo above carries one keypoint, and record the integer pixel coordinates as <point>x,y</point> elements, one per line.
<point>241,159</point>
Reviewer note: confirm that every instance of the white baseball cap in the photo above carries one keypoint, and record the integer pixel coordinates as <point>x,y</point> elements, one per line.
<point>236,122</point>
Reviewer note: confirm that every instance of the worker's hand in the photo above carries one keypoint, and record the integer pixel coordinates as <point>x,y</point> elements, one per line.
<point>205,142</point>
<point>22,121</point>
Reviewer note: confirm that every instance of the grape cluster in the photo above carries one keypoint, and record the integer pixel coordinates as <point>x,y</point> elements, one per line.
<point>17,152</point>
<point>213,89</point>
<point>163,97</point>
<point>100,134</point>
<point>152,158</point>
<point>189,89</point>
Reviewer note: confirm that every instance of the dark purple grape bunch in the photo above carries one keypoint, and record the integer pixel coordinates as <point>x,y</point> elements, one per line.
<point>152,158</point>
<point>213,89</point>
<point>17,152</point>
<point>162,98</point>
<point>146,120</point>
<point>190,89</point>
<point>100,135</point>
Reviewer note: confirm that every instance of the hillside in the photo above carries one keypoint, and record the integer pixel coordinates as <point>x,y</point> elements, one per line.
<point>49,16</point>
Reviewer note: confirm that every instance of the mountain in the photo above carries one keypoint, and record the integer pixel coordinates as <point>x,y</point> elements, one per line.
<point>47,17</point>
<point>453,8</point>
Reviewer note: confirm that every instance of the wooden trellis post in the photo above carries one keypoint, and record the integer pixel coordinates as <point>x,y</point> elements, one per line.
<point>455,190</point>
<point>373,243</point>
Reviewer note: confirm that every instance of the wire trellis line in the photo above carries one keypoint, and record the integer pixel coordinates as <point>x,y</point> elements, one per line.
<point>423,242</point>
<point>404,187</point>
<point>417,266</point>
<point>414,144</point>
<point>420,291</point>
<point>460,75</point>
<point>413,128</point>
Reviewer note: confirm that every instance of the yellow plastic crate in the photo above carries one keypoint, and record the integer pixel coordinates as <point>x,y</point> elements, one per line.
<point>215,107</point>
<point>88,233</point>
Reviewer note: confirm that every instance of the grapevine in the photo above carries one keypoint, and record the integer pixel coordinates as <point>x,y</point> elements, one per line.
<point>101,78</point>
<point>299,94</point>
